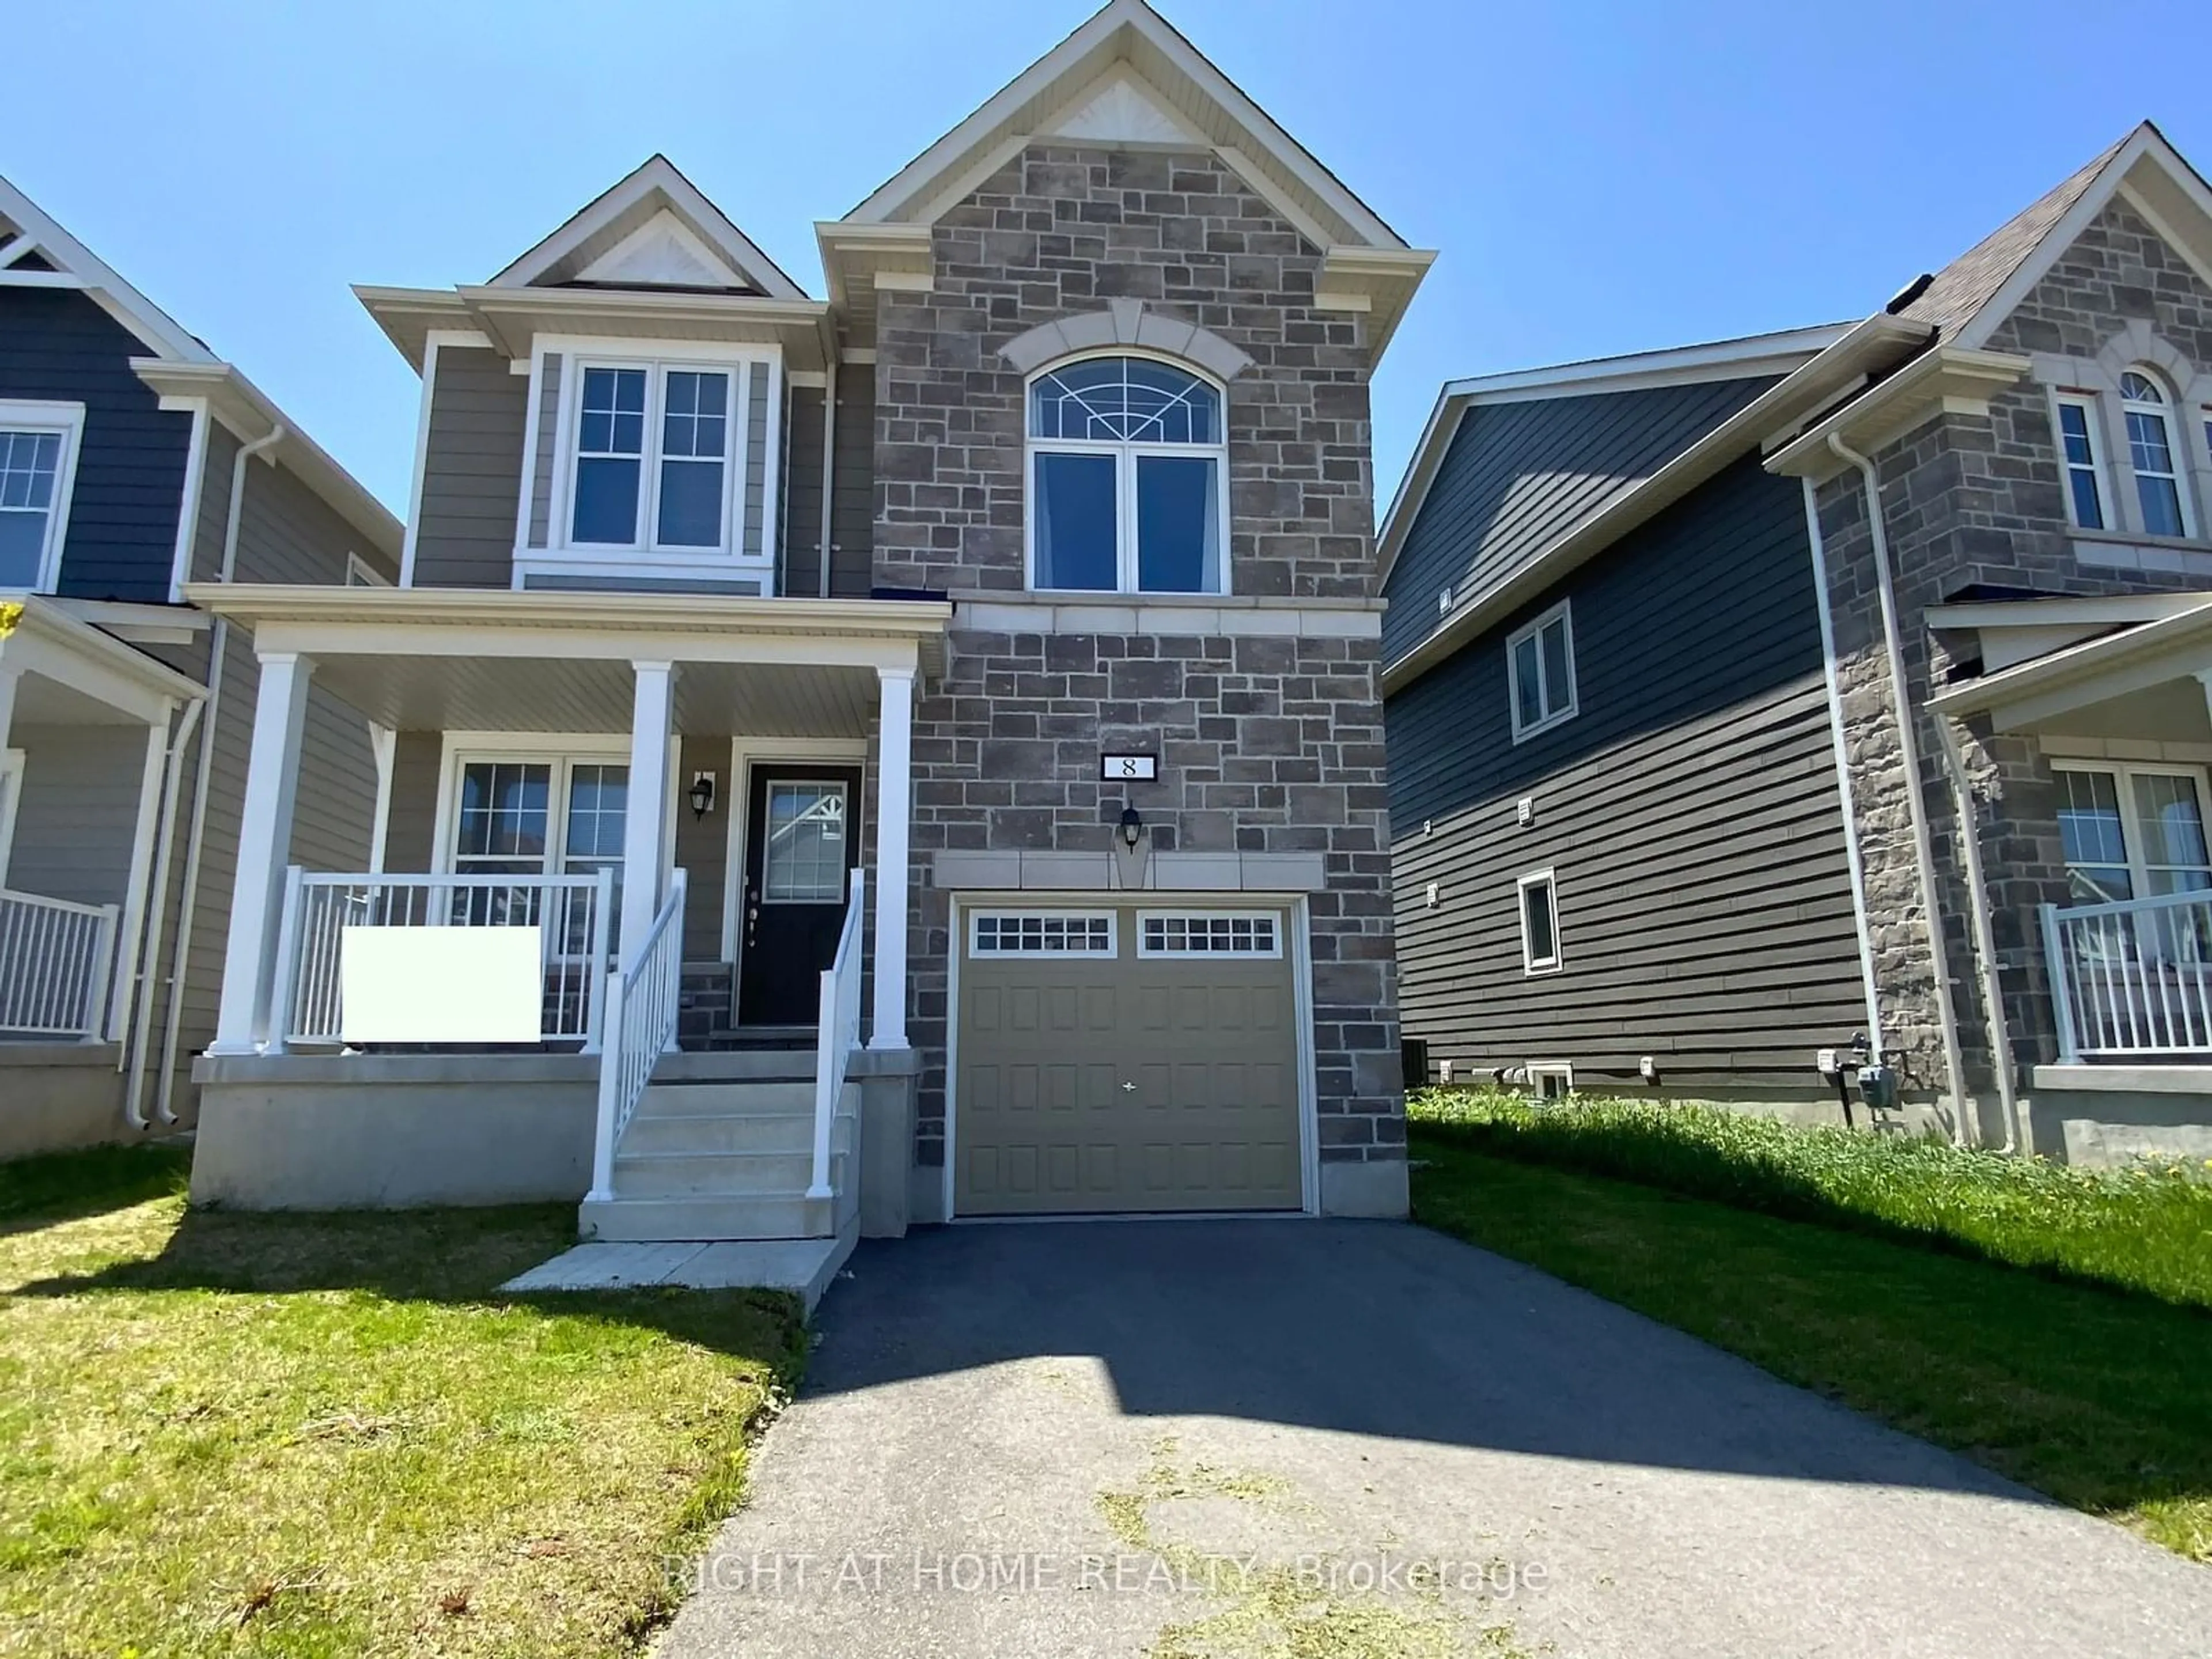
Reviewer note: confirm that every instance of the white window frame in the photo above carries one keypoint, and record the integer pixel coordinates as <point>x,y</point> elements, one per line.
<point>556,749</point>
<point>359,572</point>
<point>2123,775</point>
<point>1126,565</point>
<point>66,420</point>
<point>1539,1070</point>
<point>2177,450</point>
<point>1531,964</point>
<point>1523,727</point>
<point>563,555</point>
<point>1151,953</point>
<point>976,915</point>
<point>2092,418</point>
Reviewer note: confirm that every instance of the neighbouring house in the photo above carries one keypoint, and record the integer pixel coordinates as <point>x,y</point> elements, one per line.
<point>135,463</point>
<point>1703,764</point>
<point>911,754</point>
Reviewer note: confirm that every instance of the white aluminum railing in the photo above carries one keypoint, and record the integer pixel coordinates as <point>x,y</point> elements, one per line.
<point>838,1034</point>
<point>573,915</point>
<point>2132,978</point>
<point>642,1007</point>
<point>56,964</point>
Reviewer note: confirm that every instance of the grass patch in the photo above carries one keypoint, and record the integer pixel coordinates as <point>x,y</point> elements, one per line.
<point>2146,1228</point>
<point>2100,1398</point>
<point>331,1435</point>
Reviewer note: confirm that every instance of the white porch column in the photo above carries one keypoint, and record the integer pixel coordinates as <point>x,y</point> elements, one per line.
<point>894,813</point>
<point>265,845</point>
<point>135,893</point>
<point>645,827</point>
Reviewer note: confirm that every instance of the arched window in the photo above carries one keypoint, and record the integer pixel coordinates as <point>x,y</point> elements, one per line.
<point>2151,453</point>
<point>1126,487</point>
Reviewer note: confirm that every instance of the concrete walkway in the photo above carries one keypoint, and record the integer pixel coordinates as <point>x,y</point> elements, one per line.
<point>1125,1438</point>
<point>804,1266</point>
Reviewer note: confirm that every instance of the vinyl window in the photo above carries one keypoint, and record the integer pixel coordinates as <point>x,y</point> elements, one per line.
<point>38,467</point>
<point>2132,832</point>
<point>652,457</point>
<point>1127,479</point>
<point>2152,455</point>
<point>1540,666</point>
<point>2082,457</point>
<point>1213,933</point>
<point>1550,1080</point>
<point>1539,903</point>
<point>1040,933</point>
<point>537,817</point>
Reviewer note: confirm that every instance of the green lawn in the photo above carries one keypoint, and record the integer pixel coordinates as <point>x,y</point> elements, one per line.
<point>320,1435</point>
<point>2098,1395</point>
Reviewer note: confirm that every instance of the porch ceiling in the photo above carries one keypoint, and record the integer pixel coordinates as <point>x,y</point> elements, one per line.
<point>535,693</point>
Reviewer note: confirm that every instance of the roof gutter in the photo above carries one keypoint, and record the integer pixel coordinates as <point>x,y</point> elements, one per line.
<point>1878,343</point>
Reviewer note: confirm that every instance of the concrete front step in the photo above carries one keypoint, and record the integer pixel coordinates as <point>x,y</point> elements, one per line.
<point>793,1097</point>
<point>742,1065</point>
<point>719,1132</point>
<point>717,1175</point>
<point>623,1220</point>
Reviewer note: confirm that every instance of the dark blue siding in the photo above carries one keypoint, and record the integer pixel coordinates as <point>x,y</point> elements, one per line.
<point>1690,810</point>
<point>1518,475</point>
<point>57,345</point>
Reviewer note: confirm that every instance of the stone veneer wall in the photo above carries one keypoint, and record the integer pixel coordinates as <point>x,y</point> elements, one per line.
<point>1977,499</point>
<point>1267,743</point>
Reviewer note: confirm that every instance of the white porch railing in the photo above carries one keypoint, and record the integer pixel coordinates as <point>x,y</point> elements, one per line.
<point>2133,978</point>
<point>839,1032</point>
<point>573,915</point>
<point>642,1006</point>
<point>56,961</point>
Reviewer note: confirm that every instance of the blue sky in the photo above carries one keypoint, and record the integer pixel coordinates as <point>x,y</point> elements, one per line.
<point>1600,178</point>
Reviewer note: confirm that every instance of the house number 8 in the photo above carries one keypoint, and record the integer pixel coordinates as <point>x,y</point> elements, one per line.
<point>1129,769</point>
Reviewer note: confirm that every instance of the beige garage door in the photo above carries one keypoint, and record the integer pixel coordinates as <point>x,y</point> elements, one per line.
<point>1125,1060</point>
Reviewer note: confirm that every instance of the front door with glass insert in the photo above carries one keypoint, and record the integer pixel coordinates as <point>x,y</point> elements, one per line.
<point>802,844</point>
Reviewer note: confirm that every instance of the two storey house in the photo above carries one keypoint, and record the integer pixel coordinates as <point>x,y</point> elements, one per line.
<point>908,754</point>
<point>1768,714</point>
<point>134,463</point>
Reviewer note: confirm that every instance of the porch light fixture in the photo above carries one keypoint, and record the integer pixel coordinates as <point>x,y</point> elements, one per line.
<point>703,794</point>
<point>1133,828</point>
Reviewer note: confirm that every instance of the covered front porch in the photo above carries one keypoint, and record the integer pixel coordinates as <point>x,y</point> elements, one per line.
<point>612,828</point>
<point>2112,882</point>
<point>89,728</point>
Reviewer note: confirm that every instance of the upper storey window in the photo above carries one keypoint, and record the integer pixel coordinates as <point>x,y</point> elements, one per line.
<point>1126,491</point>
<point>2152,454</point>
<point>652,457</point>
<point>38,456</point>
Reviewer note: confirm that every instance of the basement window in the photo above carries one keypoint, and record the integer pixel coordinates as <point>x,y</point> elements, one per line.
<point>1551,1079</point>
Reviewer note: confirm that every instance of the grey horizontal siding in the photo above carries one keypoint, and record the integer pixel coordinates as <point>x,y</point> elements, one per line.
<point>549,445</point>
<point>802,493</point>
<point>58,346</point>
<point>472,471</point>
<point>78,819</point>
<point>852,487</point>
<point>1690,810</point>
<point>411,832</point>
<point>1516,474</point>
<point>702,847</point>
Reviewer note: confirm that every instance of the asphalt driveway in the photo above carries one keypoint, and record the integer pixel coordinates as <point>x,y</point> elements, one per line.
<point>1187,1438</point>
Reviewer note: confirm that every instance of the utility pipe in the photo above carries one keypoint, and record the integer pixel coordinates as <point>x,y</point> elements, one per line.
<point>1977,910</point>
<point>196,847</point>
<point>1854,863</point>
<point>1964,1132</point>
<point>157,906</point>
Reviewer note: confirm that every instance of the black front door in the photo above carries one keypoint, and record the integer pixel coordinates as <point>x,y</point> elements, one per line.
<point>802,842</point>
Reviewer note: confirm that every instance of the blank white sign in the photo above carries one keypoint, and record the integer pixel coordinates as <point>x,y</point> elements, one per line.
<point>441,984</point>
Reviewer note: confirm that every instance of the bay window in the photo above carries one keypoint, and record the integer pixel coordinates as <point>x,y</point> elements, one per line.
<point>1127,460</point>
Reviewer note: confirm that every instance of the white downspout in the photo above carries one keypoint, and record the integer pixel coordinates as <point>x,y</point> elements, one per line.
<point>829,459</point>
<point>1851,858</point>
<point>196,847</point>
<point>157,905</point>
<point>1964,1132</point>
<point>1977,910</point>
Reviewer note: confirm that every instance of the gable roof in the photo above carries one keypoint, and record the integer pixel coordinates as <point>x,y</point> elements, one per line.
<point>1969,298</point>
<point>1075,86</point>
<point>36,252</point>
<point>682,240</point>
